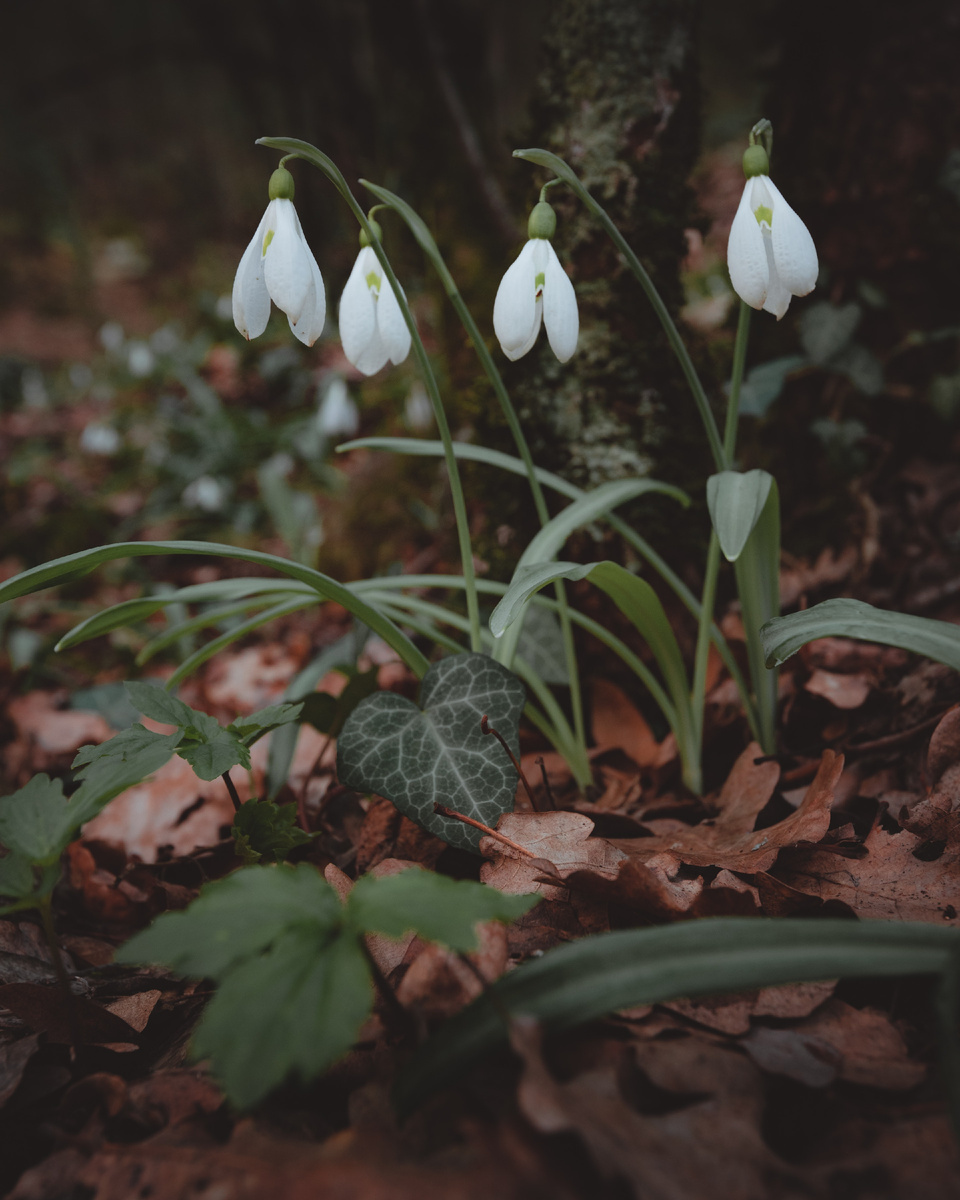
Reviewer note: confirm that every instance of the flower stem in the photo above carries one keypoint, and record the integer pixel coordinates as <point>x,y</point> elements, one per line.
<point>556,164</point>
<point>736,381</point>
<point>707,599</point>
<point>317,158</point>
<point>426,241</point>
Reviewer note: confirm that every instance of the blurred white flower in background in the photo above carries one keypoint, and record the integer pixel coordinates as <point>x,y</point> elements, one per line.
<point>205,493</point>
<point>417,408</point>
<point>100,438</point>
<point>337,415</point>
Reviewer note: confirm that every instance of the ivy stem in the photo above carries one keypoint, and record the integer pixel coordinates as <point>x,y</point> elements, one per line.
<point>322,162</point>
<point>232,789</point>
<point>548,790</point>
<point>443,811</point>
<point>486,728</point>
<point>45,906</point>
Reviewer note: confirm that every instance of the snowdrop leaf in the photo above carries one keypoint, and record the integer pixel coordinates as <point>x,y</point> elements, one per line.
<point>735,502</point>
<point>783,636</point>
<point>75,566</point>
<point>435,752</point>
<point>593,976</point>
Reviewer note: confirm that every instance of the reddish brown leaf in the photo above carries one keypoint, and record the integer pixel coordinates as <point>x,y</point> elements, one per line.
<point>44,1010</point>
<point>615,722</point>
<point>842,691</point>
<point>14,1057</point>
<point>889,884</point>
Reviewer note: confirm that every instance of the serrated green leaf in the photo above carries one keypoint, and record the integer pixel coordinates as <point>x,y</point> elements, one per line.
<point>783,636</point>
<point>294,1010</point>
<point>735,501</point>
<point>215,755</point>
<point>121,762</point>
<point>320,711</point>
<point>266,832</point>
<point>37,822</point>
<point>157,704</point>
<point>596,975</point>
<point>437,752</point>
<point>253,727</point>
<point>236,918</point>
<point>16,876</point>
<point>438,908</point>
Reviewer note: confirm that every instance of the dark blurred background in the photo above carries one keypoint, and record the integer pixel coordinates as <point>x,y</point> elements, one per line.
<point>131,183</point>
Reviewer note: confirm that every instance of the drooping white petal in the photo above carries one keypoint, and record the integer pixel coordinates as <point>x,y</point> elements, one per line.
<point>516,312</point>
<point>358,311</point>
<point>525,347</point>
<point>793,248</point>
<point>393,328</point>
<point>286,265</point>
<point>560,314</point>
<point>777,299</point>
<point>251,300</point>
<point>314,313</point>
<point>746,256</point>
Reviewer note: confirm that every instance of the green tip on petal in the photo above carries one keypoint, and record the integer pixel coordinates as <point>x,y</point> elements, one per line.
<point>373,281</point>
<point>755,162</point>
<point>762,213</point>
<point>543,221</point>
<point>377,232</point>
<point>281,184</point>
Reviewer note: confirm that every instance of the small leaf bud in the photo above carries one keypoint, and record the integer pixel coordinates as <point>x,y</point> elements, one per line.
<point>377,232</point>
<point>281,184</point>
<point>755,162</point>
<point>543,221</point>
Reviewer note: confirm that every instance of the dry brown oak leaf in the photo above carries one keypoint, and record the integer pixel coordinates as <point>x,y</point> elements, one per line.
<point>729,840</point>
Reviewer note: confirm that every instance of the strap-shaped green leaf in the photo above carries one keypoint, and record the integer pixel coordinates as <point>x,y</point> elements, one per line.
<point>437,753</point>
<point>758,585</point>
<point>584,980</point>
<point>783,636</point>
<point>735,501</point>
<point>75,566</point>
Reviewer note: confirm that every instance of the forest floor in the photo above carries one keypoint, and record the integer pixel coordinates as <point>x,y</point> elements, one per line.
<point>801,1091</point>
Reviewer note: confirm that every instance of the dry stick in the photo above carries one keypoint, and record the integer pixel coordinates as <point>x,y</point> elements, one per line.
<point>231,788</point>
<point>487,728</point>
<point>404,1021</point>
<point>50,936</point>
<point>546,783</point>
<point>443,811</point>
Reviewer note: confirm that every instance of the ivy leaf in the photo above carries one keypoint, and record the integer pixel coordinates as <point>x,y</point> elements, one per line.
<point>236,918</point>
<point>418,756</point>
<point>267,832</point>
<point>295,1009</point>
<point>440,909</point>
<point>37,822</point>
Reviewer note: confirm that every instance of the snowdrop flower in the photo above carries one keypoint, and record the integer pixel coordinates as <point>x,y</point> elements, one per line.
<point>372,327</point>
<point>770,253</point>
<point>278,266</point>
<point>337,413</point>
<point>536,288</point>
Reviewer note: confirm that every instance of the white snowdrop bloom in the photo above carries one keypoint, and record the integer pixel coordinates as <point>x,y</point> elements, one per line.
<point>140,360</point>
<point>372,327</point>
<point>417,408</point>
<point>536,289</point>
<point>337,415</point>
<point>770,253</point>
<point>98,438</point>
<point>205,493</point>
<point>278,265</point>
